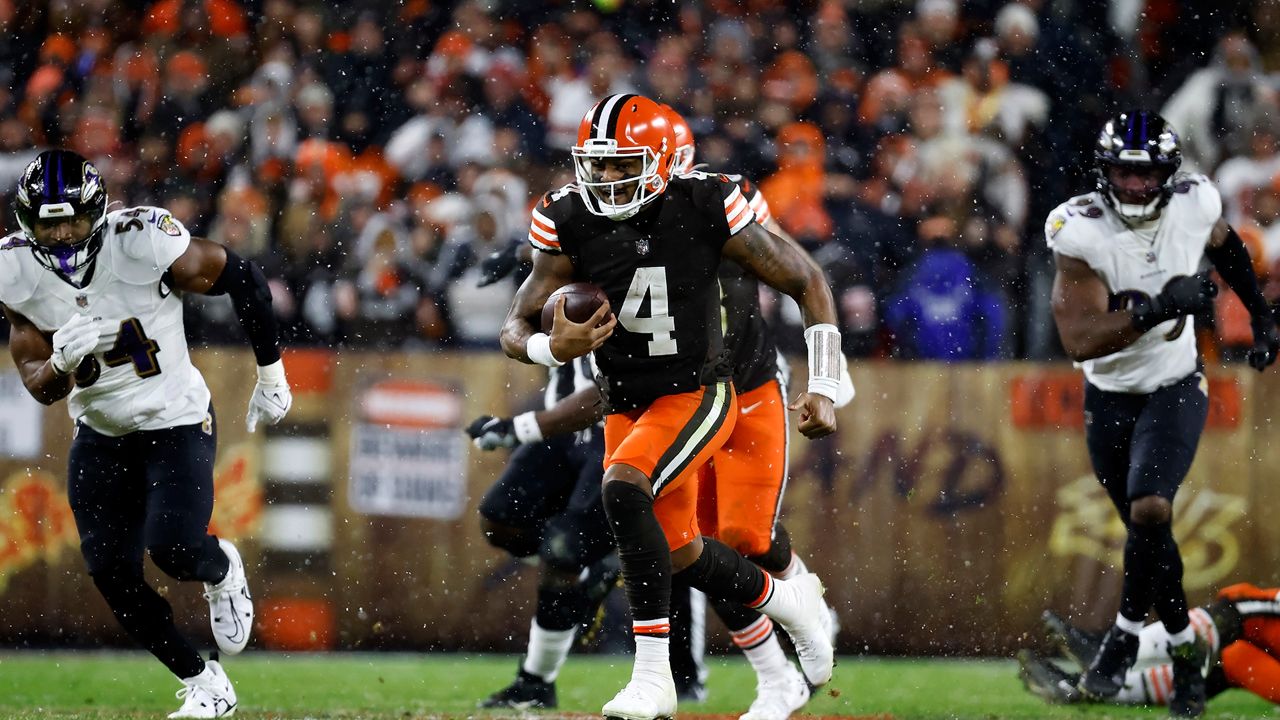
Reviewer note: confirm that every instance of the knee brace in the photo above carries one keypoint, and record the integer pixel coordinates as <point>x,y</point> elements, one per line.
<point>520,542</point>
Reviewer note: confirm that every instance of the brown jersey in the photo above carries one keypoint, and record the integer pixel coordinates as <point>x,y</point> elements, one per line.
<point>659,271</point>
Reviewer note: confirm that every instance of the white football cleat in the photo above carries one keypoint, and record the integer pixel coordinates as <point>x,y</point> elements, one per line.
<point>207,695</point>
<point>830,623</point>
<point>646,697</point>
<point>778,695</point>
<point>230,607</point>
<point>808,633</point>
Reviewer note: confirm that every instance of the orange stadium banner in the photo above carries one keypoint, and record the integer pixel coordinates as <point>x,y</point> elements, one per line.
<point>956,497</point>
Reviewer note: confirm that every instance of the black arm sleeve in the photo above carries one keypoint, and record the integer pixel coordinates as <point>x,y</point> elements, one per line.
<point>1232,262</point>
<point>251,295</point>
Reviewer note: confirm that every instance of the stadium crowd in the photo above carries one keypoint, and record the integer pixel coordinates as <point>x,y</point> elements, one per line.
<point>370,155</point>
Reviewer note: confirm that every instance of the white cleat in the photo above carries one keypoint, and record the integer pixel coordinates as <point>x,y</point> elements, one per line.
<point>808,633</point>
<point>230,607</point>
<point>207,695</point>
<point>646,697</point>
<point>830,623</point>
<point>778,695</point>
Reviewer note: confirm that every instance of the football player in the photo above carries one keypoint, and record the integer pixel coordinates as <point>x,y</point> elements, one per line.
<point>1241,630</point>
<point>94,300</point>
<point>1127,257</point>
<point>654,242</point>
<point>740,490</point>
<point>546,504</point>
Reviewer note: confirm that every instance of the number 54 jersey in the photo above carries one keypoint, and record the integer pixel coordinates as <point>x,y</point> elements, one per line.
<point>140,375</point>
<point>658,269</point>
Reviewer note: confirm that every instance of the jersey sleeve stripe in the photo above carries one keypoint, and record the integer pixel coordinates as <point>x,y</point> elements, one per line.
<point>550,246</point>
<point>760,207</point>
<point>542,233</point>
<point>733,197</point>
<point>739,216</point>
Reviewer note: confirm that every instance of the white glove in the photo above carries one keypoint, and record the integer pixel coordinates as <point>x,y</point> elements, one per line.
<point>846,391</point>
<point>271,398</point>
<point>72,342</point>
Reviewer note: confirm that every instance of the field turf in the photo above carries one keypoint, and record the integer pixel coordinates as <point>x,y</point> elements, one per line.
<point>403,686</point>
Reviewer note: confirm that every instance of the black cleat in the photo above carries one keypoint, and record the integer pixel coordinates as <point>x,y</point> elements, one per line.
<point>1047,681</point>
<point>1075,644</point>
<point>527,692</point>
<point>1188,679</point>
<point>1105,675</point>
<point>691,691</point>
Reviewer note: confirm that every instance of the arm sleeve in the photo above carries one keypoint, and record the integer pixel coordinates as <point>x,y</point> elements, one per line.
<point>1232,261</point>
<point>251,296</point>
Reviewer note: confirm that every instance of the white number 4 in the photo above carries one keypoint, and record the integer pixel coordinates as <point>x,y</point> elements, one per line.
<point>651,281</point>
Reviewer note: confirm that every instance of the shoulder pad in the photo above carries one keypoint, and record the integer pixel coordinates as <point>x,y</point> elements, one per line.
<point>17,269</point>
<point>558,194</point>
<point>149,239</point>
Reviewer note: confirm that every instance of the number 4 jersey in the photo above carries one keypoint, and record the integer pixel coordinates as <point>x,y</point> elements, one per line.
<point>140,375</point>
<point>659,271</point>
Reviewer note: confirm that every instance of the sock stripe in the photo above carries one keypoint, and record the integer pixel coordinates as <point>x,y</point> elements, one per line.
<point>765,595</point>
<point>659,627</point>
<point>754,634</point>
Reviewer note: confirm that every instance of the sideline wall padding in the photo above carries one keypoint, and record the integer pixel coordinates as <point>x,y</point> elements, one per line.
<point>954,504</point>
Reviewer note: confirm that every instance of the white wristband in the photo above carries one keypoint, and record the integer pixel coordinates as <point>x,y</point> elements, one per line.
<point>526,427</point>
<point>823,341</point>
<point>272,374</point>
<point>538,348</point>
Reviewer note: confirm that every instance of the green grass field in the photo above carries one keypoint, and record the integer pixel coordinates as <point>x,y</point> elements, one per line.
<point>402,686</point>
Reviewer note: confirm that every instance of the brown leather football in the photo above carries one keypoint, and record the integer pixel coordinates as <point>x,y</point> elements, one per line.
<point>581,300</point>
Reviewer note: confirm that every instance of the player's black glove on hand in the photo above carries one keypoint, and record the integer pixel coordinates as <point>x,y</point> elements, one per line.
<point>1183,295</point>
<point>499,264</point>
<point>1266,343</point>
<point>490,433</point>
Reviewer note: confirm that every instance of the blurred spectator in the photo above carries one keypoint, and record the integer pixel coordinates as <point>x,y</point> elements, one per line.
<point>1216,103</point>
<point>944,309</point>
<point>797,190</point>
<point>1239,175</point>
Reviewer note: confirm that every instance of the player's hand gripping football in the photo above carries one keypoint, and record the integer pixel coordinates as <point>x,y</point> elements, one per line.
<point>490,433</point>
<point>571,340</point>
<point>817,414</point>
<point>1266,343</point>
<point>72,342</point>
<point>271,398</point>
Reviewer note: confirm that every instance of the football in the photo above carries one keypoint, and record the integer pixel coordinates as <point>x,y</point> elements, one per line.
<point>581,300</point>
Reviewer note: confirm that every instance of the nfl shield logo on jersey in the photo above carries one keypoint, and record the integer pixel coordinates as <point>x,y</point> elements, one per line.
<point>82,301</point>
<point>642,246</point>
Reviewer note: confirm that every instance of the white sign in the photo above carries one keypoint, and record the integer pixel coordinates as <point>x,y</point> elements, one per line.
<point>408,457</point>
<point>22,422</point>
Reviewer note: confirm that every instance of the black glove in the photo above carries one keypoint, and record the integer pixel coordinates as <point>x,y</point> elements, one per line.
<point>1266,343</point>
<point>490,433</point>
<point>1183,295</point>
<point>499,264</point>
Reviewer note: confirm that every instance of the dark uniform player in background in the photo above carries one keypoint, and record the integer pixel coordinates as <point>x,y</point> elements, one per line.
<point>654,244</point>
<point>140,474</point>
<point>547,504</point>
<point>1127,257</point>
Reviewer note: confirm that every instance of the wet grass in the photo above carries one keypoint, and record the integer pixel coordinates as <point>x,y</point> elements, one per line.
<point>110,685</point>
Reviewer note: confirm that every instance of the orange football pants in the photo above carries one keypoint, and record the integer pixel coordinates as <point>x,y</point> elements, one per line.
<point>1252,661</point>
<point>740,490</point>
<point>669,441</point>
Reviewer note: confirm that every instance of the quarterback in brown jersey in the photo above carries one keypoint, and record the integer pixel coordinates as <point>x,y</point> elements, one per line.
<point>654,243</point>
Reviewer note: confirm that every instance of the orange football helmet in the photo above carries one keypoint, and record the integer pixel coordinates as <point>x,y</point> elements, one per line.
<point>624,155</point>
<point>684,142</point>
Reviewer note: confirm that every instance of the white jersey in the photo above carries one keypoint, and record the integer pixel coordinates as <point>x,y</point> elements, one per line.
<point>145,379</point>
<point>1141,259</point>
